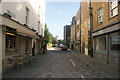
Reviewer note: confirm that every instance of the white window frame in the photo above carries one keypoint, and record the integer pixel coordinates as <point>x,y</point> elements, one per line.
<point>89,23</point>
<point>99,15</point>
<point>38,26</point>
<point>88,4</point>
<point>27,15</point>
<point>113,5</point>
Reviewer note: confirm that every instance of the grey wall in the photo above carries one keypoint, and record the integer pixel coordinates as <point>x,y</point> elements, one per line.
<point>0,51</point>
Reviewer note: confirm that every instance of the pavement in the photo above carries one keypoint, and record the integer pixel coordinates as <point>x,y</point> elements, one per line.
<point>63,64</point>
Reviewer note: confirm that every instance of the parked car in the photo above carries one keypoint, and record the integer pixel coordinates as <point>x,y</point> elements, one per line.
<point>64,48</point>
<point>61,45</point>
<point>53,45</point>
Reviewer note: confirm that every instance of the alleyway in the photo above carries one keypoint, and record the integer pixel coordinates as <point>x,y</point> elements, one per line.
<point>59,64</point>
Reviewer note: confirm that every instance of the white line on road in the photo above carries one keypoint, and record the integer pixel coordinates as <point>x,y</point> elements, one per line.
<point>83,77</point>
<point>72,62</point>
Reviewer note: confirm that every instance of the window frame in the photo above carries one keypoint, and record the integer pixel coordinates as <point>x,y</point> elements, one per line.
<point>27,15</point>
<point>111,10</point>
<point>99,15</point>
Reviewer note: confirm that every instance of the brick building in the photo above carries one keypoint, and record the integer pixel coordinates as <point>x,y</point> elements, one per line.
<point>77,31</point>
<point>85,26</point>
<point>72,36</point>
<point>67,35</point>
<point>106,31</point>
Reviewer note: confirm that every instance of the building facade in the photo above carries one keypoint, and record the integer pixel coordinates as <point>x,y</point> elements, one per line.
<point>72,35</point>
<point>21,27</point>
<point>67,35</point>
<point>77,31</point>
<point>85,26</point>
<point>106,31</point>
<point>99,30</point>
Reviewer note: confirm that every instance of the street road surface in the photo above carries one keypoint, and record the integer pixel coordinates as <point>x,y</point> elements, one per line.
<point>59,64</point>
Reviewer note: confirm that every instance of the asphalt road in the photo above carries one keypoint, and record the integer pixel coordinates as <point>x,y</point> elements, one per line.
<point>58,64</point>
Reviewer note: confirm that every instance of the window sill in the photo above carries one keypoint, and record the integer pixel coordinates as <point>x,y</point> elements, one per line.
<point>111,17</point>
<point>99,23</point>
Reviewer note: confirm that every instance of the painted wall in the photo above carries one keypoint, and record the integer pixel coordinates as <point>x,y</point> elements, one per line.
<point>18,11</point>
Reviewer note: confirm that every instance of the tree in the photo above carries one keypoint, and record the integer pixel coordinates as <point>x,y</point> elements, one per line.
<point>47,35</point>
<point>68,41</point>
<point>54,40</point>
<point>60,41</point>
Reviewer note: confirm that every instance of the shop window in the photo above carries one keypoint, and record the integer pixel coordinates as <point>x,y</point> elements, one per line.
<point>101,44</point>
<point>11,45</point>
<point>10,41</point>
<point>115,41</point>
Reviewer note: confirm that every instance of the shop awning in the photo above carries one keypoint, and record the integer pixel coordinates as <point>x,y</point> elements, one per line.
<point>20,28</point>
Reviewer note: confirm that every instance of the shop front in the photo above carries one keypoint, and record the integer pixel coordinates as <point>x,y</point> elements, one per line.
<point>11,42</point>
<point>16,38</point>
<point>107,45</point>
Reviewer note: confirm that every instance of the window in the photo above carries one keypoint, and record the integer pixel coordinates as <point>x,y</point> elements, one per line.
<point>41,31</point>
<point>101,44</point>
<point>39,11</point>
<point>27,16</point>
<point>10,41</point>
<point>89,23</point>
<point>10,44</point>
<point>100,15</point>
<point>115,41</point>
<point>38,26</point>
<point>113,8</point>
<point>88,4</point>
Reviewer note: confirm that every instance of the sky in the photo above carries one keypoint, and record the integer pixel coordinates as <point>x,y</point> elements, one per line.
<point>59,14</point>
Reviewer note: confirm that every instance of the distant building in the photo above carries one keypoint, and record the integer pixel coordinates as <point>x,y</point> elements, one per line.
<point>77,31</point>
<point>67,35</point>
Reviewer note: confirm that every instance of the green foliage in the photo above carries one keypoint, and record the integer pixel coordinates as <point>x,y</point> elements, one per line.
<point>49,37</point>
<point>49,45</point>
<point>60,42</point>
<point>54,40</point>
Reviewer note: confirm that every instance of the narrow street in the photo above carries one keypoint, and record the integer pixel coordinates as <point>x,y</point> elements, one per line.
<point>76,39</point>
<point>59,64</point>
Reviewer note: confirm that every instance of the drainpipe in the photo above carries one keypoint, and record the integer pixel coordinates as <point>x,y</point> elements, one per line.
<point>80,28</point>
<point>107,48</point>
<point>118,20</point>
<point>119,11</point>
<point>75,32</point>
<point>91,28</point>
